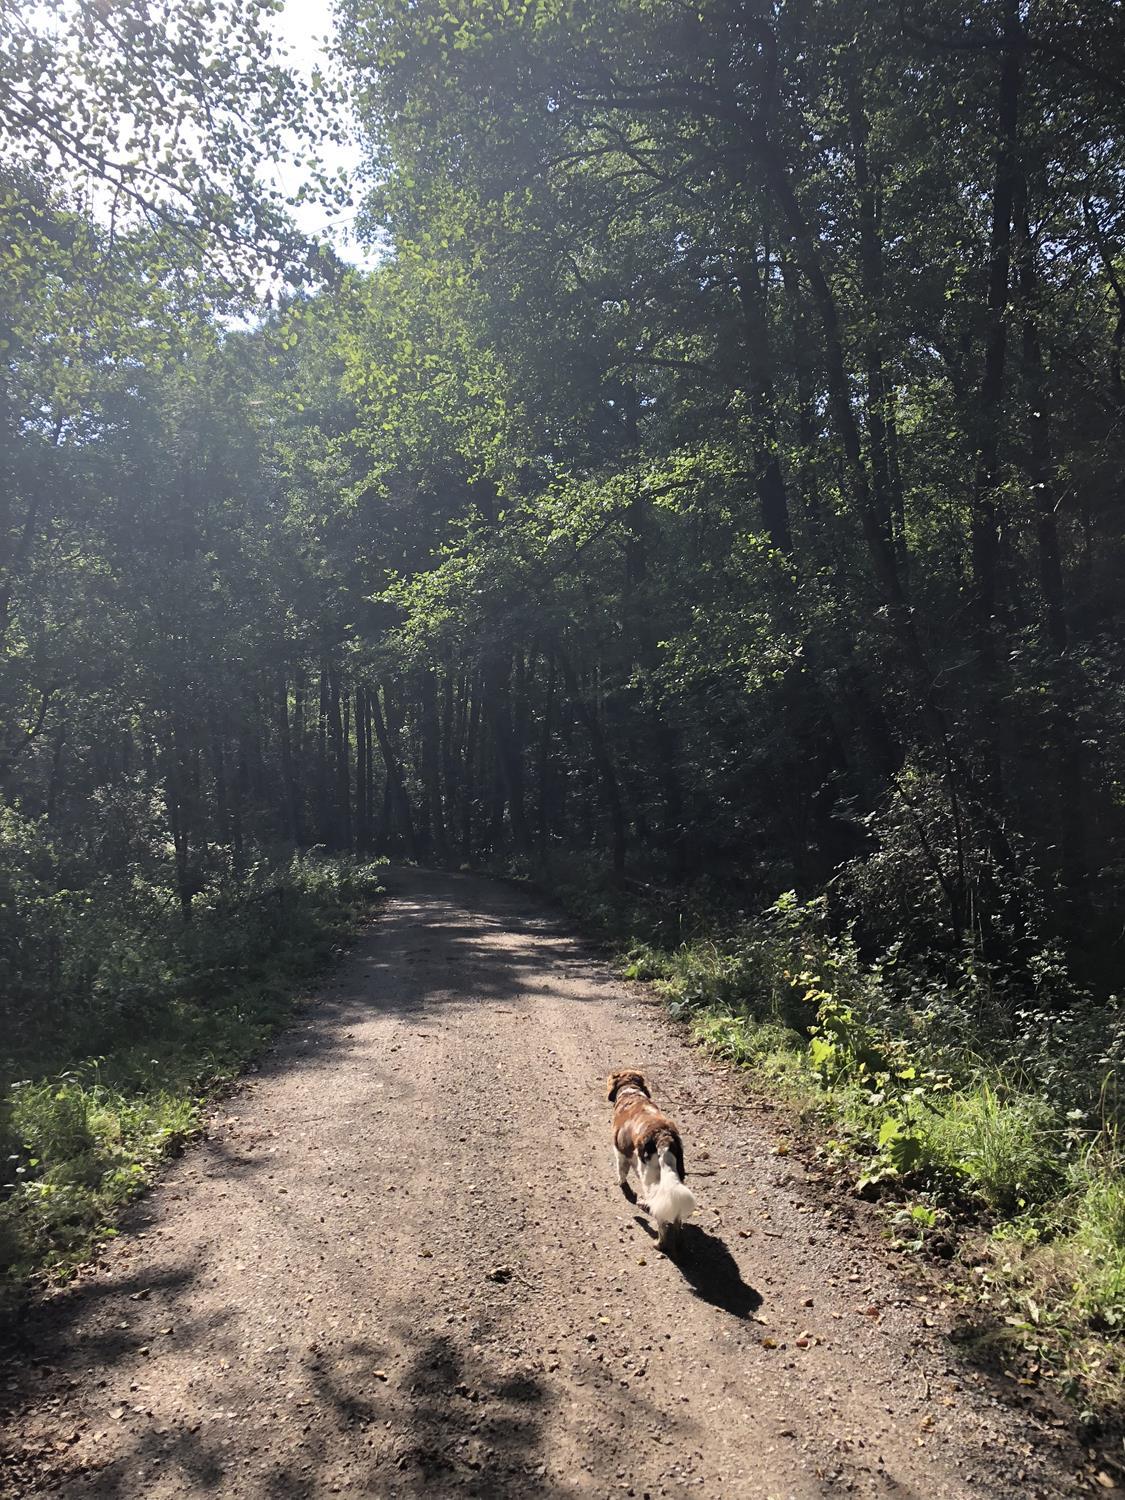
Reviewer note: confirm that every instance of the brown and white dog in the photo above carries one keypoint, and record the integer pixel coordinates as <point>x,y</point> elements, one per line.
<point>645,1139</point>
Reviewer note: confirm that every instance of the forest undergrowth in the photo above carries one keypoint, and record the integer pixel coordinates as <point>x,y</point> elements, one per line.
<point>985,1119</point>
<point>126,1022</point>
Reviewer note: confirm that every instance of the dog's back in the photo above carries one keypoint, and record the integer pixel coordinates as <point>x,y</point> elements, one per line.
<point>645,1137</point>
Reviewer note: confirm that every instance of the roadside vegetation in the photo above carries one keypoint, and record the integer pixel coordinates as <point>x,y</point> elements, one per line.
<point>713,474</point>
<point>127,1022</point>
<point>993,1145</point>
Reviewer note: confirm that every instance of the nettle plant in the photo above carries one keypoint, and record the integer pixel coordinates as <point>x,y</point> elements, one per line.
<point>892,1086</point>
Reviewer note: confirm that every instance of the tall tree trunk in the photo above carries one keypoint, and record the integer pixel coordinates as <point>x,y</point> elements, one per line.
<point>292,799</point>
<point>431,761</point>
<point>471,758</point>
<point>543,774</point>
<point>880,410</point>
<point>239,785</point>
<point>323,800</point>
<point>931,717</point>
<point>642,625</point>
<point>773,500</point>
<point>509,754</point>
<point>177,796</point>
<point>1042,476</point>
<point>986,518</point>
<point>342,822</point>
<point>1040,464</point>
<point>362,776</point>
<point>603,758</point>
<point>448,758</point>
<point>397,799</point>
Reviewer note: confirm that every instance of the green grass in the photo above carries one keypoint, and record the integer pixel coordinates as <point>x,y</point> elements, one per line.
<point>1097,1240</point>
<point>94,1094</point>
<point>1008,1150</point>
<point>992,1128</point>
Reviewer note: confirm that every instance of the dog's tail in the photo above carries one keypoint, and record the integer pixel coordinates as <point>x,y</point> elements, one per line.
<point>670,1202</point>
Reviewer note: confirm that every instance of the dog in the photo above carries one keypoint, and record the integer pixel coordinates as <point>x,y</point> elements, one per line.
<point>645,1139</point>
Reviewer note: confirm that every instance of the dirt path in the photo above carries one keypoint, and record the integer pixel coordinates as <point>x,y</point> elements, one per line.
<point>400,1266</point>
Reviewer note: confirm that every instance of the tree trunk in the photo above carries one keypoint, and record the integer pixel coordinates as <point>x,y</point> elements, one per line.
<point>880,411</point>
<point>431,761</point>
<point>986,518</point>
<point>509,754</point>
<point>398,801</point>
<point>292,811</point>
<point>543,776</point>
<point>603,759</point>
<point>323,802</point>
<point>469,762</point>
<point>773,501</point>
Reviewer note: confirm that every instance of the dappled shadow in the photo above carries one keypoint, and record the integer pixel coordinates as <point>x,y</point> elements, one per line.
<point>76,1320</point>
<point>445,942</point>
<point>420,1414</point>
<point>355,1391</point>
<point>992,1352</point>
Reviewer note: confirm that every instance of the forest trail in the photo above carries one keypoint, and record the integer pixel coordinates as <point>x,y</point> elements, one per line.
<point>400,1266</point>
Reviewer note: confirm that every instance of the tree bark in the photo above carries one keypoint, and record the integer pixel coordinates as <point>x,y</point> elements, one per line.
<point>880,411</point>
<point>509,754</point>
<point>431,761</point>
<point>986,518</point>
<point>603,759</point>
<point>398,801</point>
<point>292,811</point>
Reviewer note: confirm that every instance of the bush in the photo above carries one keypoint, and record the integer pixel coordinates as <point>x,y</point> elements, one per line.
<point>986,1082</point>
<point>1098,1240</point>
<point>1008,1151</point>
<point>148,1015</point>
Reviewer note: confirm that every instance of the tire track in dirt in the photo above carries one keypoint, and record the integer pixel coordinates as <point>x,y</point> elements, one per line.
<point>400,1266</point>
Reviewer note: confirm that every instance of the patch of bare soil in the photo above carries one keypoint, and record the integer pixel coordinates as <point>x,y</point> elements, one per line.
<point>401,1266</point>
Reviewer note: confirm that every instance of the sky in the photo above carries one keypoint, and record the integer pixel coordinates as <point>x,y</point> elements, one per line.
<point>302,29</point>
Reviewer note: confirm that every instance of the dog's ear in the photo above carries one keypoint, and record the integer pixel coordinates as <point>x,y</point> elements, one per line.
<point>624,1076</point>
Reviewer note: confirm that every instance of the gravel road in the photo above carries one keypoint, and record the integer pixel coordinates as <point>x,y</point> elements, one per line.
<point>400,1266</point>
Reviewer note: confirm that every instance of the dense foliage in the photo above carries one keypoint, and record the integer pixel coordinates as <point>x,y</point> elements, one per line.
<point>717,479</point>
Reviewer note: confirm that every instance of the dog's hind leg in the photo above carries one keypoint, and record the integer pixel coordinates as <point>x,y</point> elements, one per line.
<point>648,1177</point>
<point>623,1164</point>
<point>667,1235</point>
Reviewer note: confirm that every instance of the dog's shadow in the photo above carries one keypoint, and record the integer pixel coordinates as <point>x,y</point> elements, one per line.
<point>709,1268</point>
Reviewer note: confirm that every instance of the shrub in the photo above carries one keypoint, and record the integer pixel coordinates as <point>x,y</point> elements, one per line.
<point>1098,1238</point>
<point>1006,1150</point>
<point>149,1014</point>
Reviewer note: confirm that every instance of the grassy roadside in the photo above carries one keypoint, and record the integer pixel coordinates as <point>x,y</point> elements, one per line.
<point>990,1134</point>
<point>95,1092</point>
